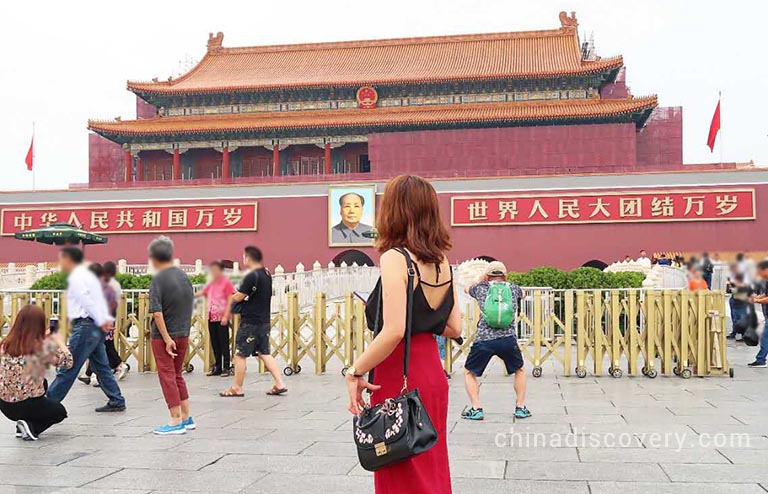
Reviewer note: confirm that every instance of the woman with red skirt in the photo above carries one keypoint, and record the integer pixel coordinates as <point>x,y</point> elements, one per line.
<point>409,218</point>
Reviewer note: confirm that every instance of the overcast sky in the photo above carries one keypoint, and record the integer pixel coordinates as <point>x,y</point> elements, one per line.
<point>65,62</point>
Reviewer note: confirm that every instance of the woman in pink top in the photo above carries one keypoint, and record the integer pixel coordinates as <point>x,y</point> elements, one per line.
<point>219,292</point>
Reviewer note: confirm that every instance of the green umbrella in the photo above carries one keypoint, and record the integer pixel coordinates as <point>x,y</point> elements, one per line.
<point>61,234</point>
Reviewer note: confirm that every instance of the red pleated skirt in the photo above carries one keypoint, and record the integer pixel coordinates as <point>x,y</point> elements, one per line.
<point>429,472</point>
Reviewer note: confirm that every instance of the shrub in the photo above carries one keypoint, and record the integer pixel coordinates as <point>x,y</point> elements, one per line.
<point>580,278</point>
<point>520,279</point>
<point>548,277</point>
<point>198,279</point>
<point>55,281</point>
<point>133,281</point>
<point>58,281</point>
<point>583,278</point>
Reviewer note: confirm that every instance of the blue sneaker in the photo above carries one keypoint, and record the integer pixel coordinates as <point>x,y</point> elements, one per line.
<point>473,414</point>
<point>522,412</point>
<point>189,424</point>
<point>166,430</point>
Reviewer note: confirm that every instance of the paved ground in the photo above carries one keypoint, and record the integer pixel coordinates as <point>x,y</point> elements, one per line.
<point>628,435</point>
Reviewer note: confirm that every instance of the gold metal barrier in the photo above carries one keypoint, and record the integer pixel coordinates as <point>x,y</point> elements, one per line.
<point>623,331</point>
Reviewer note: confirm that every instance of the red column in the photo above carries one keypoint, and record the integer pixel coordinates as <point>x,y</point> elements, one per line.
<point>225,163</point>
<point>176,164</point>
<point>276,161</point>
<point>327,158</point>
<point>128,165</point>
<point>139,169</point>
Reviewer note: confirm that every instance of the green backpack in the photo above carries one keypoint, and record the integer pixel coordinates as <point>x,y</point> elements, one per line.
<point>500,306</point>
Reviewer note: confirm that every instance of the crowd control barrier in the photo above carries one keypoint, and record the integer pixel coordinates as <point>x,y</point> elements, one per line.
<point>586,332</point>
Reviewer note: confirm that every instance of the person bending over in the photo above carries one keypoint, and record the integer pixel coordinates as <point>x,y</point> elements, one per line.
<point>495,340</point>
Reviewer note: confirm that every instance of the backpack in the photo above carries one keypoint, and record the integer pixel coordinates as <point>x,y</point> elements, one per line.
<point>500,307</point>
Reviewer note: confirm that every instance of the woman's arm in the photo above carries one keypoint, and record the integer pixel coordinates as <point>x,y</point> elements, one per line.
<point>394,293</point>
<point>393,285</point>
<point>453,327</point>
<point>227,310</point>
<point>203,292</point>
<point>58,354</point>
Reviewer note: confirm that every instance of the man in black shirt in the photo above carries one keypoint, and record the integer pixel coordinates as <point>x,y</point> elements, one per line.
<point>253,301</point>
<point>740,304</point>
<point>762,298</point>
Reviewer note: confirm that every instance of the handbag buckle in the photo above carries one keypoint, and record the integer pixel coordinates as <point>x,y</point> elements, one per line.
<point>381,448</point>
<point>405,385</point>
<point>388,407</point>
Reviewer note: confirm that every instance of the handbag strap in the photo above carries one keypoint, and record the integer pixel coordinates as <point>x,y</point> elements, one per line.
<point>411,272</point>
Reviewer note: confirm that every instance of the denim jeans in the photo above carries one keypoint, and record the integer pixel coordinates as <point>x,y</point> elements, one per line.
<point>763,353</point>
<point>442,344</point>
<point>737,314</point>
<point>87,343</point>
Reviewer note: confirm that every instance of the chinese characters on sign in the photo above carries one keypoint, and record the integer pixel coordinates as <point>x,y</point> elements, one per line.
<point>135,217</point>
<point>609,207</point>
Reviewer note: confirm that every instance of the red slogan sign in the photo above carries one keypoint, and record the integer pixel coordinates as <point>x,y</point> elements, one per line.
<point>136,217</point>
<point>609,207</point>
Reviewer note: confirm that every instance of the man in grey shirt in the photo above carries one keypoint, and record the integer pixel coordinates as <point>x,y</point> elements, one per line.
<point>171,299</point>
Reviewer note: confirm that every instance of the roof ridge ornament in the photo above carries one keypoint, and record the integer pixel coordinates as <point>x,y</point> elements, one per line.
<point>214,42</point>
<point>569,23</point>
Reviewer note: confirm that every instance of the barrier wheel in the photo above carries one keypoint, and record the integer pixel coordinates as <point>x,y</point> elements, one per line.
<point>581,372</point>
<point>536,372</point>
<point>644,371</point>
<point>616,372</point>
<point>298,369</point>
<point>344,371</point>
<point>189,368</point>
<point>652,373</point>
<point>730,372</point>
<point>676,372</point>
<point>288,371</point>
<point>686,373</point>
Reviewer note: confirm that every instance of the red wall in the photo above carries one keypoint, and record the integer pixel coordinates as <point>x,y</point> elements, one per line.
<point>660,142</point>
<point>144,109</point>
<point>105,158</point>
<point>294,229</point>
<point>514,151</point>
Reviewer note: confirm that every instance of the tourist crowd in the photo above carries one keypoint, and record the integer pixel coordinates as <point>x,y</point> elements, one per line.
<point>414,301</point>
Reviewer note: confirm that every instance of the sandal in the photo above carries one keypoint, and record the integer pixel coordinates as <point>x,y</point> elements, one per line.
<point>275,391</point>
<point>224,374</point>
<point>231,393</point>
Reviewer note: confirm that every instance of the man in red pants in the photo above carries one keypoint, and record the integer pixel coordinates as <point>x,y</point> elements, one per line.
<point>171,298</point>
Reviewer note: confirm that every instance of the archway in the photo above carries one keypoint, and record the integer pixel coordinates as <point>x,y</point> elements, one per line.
<point>595,263</point>
<point>353,256</point>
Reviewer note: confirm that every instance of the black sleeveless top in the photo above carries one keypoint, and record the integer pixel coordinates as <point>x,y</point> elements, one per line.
<point>425,318</point>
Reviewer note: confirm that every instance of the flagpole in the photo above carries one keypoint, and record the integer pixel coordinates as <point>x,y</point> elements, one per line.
<point>33,155</point>
<point>722,142</point>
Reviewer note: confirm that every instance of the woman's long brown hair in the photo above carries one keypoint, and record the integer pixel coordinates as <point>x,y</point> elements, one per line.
<point>409,216</point>
<point>27,334</point>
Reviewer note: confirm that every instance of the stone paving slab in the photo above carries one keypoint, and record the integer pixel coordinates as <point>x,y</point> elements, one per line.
<point>302,442</point>
<point>671,488</point>
<point>188,482</point>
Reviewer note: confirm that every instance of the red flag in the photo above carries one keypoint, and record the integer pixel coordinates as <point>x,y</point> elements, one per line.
<point>30,154</point>
<point>714,128</point>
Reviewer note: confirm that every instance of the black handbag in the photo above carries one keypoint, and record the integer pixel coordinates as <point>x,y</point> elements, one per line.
<point>400,427</point>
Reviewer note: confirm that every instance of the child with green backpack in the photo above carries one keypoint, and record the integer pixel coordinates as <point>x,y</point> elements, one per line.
<point>496,337</point>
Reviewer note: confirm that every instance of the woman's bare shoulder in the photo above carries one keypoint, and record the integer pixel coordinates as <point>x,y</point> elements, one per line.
<point>392,260</point>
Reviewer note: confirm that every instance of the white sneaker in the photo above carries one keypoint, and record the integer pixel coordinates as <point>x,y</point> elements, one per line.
<point>121,371</point>
<point>26,431</point>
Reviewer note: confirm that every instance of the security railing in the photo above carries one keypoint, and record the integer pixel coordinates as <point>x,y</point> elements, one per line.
<point>673,332</point>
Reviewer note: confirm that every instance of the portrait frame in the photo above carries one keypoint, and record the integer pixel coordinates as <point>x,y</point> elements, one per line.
<point>368,215</point>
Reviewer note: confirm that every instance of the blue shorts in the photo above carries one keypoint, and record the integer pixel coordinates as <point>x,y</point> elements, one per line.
<point>482,352</point>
